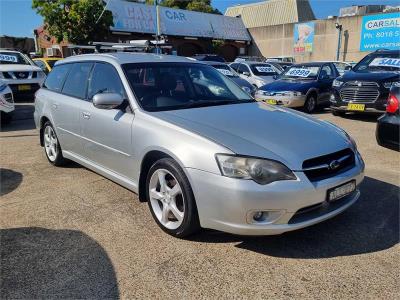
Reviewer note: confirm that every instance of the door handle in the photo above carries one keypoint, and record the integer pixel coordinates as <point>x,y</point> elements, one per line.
<point>86,115</point>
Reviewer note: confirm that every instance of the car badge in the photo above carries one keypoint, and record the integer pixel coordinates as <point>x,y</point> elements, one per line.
<point>22,75</point>
<point>334,164</point>
<point>359,84</point>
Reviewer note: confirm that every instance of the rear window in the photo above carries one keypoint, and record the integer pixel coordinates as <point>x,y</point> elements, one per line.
<point>56,77</point>
<point>75,85</point>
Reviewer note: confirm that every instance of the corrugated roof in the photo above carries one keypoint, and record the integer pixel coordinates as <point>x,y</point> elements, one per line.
<point>272,12</point>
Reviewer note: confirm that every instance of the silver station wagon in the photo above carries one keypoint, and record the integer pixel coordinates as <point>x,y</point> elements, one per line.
<point>194,145</point>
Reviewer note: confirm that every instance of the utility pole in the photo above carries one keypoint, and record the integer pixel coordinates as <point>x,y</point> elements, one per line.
<point>157,26</point>
<point>339,28</point>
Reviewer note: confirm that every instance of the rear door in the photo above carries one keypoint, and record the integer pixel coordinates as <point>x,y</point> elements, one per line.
<point>107,133</point>
<point>325,85</point>
<point>66,106</point>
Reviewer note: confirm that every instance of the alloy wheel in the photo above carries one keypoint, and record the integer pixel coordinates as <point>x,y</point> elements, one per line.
<point>166,199</point>
<point>50,143</point>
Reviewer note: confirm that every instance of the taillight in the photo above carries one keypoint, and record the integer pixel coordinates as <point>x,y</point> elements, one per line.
<point>392,104</point>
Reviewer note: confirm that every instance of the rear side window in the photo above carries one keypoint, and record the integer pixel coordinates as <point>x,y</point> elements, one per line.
<point>105,79</point>
<point>76,82</point>
<point>56,77</point>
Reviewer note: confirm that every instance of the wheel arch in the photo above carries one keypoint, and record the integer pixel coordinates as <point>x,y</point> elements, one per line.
<point>42,121</point>
<point>149,158</point>
<point>312,91</point>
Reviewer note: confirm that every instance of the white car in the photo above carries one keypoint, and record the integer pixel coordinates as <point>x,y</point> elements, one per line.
<point>20,73</point>
<point>257,73</point>
<point>6,103</point>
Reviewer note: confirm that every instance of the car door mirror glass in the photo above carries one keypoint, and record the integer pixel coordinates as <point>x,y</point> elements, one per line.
<point>245,73</point>
<point>107,100</point>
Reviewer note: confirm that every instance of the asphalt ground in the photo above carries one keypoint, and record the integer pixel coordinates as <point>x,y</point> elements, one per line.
<point>70,233</point>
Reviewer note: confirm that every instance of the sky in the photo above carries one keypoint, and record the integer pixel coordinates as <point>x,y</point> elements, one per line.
<point>18,19</point>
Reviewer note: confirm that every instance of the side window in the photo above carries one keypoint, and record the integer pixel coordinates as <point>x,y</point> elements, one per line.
<point>234,66</point>
<point>105,79</point>
<point>56,77</point>
<point>327,70</point>
<point>75,85</point>
<point>39,63</point>
<point>243,68</point>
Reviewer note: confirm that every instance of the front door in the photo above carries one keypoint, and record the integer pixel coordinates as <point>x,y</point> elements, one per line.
<point>107,133</point>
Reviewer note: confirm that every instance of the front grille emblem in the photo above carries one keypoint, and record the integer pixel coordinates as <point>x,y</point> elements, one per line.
<point>334,164</point>
<point>21,75</point>
<point>359,84</point>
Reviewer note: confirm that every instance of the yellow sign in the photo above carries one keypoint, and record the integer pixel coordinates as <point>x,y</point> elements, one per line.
<point>24,87</point>
<point>358,107</point>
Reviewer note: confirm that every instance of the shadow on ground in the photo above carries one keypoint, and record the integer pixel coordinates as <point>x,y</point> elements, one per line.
<point>41,263</point>
<point>9,180</point>
<point>370,225</point>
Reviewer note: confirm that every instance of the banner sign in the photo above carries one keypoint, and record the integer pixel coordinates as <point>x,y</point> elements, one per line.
<point>386,62</point>
<point>298,72</point>
<point>303,37</point>
<point>380,31</point>
<point>137,17</point>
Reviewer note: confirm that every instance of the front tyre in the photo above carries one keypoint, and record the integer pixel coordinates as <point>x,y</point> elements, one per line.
<point>52,147</point>
<point>171,200</point>
<point>311,104</point>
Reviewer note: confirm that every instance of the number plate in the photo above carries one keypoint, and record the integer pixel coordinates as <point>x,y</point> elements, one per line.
<point>271,101</point>
<point>358,107</point>
<point>341,191</point>
<point>24,87</point>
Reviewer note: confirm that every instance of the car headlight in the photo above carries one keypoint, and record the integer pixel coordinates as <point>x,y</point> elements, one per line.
<point>41,74</point>
<point>262,171</point>
<point>291,93</point>
<point>389,84</point>
<point>262,93</point>
<point>337,83</point>
<point>246,89</point>
<point>2,86</point>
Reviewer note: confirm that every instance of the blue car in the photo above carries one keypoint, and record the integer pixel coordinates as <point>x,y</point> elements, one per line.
<point>306,86</point>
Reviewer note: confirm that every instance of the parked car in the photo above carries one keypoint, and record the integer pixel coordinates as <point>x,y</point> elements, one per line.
<point>305,86</point>
<point>194,145</point>
<point>387,128</point>
<point>249,58</point>
<point>208,57</point>
<point>46,63</point>
<point>283,65</point>
<point>366,87</point>
<point>289,59</point>
<point>6,103</point>
<point>20,73</point>
<point>228,71</point>
<point>258,74</point>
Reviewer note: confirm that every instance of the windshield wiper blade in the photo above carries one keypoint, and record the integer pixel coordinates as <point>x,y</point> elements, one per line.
<point>203,103</point>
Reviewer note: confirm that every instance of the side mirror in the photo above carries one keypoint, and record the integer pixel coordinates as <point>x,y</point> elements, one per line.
<point>348,68</point>
<point>275,77</point>
<point>246,74</point>
<point>107,100</point>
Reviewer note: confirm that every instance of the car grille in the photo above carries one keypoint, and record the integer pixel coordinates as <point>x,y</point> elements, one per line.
<point>360,91</point>
<point>326,166</point>
<point>19,75</point>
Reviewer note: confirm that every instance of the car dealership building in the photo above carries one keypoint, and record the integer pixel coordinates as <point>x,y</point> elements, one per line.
<point>188,32</point>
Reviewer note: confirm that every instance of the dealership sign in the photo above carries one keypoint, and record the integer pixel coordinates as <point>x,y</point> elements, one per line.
<point>136,17</point>
<point>303,37</point>
<point>380,31</point>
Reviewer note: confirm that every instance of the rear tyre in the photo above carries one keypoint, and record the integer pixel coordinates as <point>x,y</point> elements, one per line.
<point>171,200</point>
<point>52,147</point>
<point>311,104</point>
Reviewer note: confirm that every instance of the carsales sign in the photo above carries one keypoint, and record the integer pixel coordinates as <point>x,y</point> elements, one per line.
<point>380,31</point>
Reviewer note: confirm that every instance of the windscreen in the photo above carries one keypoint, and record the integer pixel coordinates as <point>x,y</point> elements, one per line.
<point>226,70</point>
<point>13,58</point>
<point>301,72</point>
<point>263,70</point>
<point>167,86</point>
<point>379,62</point>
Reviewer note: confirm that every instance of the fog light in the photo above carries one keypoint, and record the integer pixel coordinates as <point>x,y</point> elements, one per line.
<point>332,98</point>
<point>259,216</point>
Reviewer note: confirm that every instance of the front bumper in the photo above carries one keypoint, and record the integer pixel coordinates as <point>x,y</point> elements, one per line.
<point>287,101</point>
<point>6,101</point>
<point>378,106</point>
<point>227,204</point>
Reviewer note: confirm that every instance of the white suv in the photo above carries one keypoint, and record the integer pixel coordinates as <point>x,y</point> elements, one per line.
<point>20,74</point>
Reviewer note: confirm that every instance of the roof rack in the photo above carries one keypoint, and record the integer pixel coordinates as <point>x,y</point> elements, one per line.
<point>131,46</point>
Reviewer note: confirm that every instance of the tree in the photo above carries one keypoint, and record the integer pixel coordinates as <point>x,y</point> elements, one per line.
<point>195,5</point>
<point>78,21</point>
